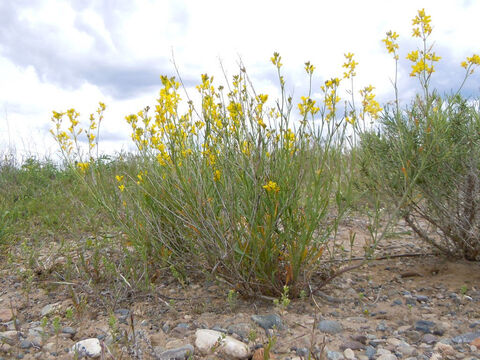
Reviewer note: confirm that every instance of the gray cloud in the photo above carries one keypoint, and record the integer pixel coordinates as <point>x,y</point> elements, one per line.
<point>44,47</point>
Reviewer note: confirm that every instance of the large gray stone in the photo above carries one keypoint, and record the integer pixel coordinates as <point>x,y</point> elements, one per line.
<point>466,338</point>
<point>268,321</point>
<point>329,326</point>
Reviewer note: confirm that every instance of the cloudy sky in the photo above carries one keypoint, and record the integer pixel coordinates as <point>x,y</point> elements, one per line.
<point>58,54</point>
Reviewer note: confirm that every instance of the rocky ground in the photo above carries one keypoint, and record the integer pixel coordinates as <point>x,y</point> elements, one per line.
<point>416,307</point>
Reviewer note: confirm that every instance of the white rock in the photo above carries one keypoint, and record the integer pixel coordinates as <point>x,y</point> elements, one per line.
<point>406,349</point>
<point>393,341</point>
<point>444,349</point>
<point>387,357</point>
<point>88,347</point>
<point>210,341</point>
<point>381,351</point>
<point>349,354</point>
<point>436,356</point>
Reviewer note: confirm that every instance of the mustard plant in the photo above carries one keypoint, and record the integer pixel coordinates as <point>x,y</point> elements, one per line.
<point>424,159</point>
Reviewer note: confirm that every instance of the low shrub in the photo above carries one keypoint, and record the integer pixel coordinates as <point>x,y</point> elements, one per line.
<point>424,159</point>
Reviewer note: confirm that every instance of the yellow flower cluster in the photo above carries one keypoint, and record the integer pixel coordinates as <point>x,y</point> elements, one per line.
<point>350,66</point>
<point>307,106</point>
<point>121,185</point>
<point>424,29</point>
<point>331,99</point>
<point>275,59</point>
<point>471,61</point>
<point>165,132</point>
<point>141,177</point>
<point>309,68</point>
<point>271,186</point>
<point>94,125</point>
<point>83,166</point>
<point>422,60</point>
<point>369,104</point>
<point>391,44</point>
<point>68,140</point>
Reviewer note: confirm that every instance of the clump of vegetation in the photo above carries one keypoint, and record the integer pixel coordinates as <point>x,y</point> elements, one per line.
<point>425,158</point>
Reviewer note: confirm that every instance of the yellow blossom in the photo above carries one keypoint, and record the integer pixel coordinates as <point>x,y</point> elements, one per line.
<point>271,186</point>
<point>350,66</point>
<point>309,68</point>
<point>83,166</point>
<point>275,59</point>
<point>471,62</point>
<point>391,44</point>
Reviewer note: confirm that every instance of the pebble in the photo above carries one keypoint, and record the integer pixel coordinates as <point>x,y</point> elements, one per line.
<point>413,335</point>
<point>69,330</point>
<point>334,355</point>
<point>444,349</point>
<point>349,354</point>
<point>406,349</point>
<point>48,309</point>
<point>206,340</point>
<point>25,344</point>
<point>268,321</point>
<point>382,326</point>
<point>370,351</point>
<point>88,347</point>
<point>466,338</point>
<point>181,329</point>
<point>180,353</point>
<point>5,315</point>
<point>429,339</point>
<point>376,342</point>
<point>387,357</point>
<point>422,298</point>
<point>359,338</point>
<point>383,352</point>
<point>393,341</point>
<point>424,326</point>
<point>329,326</point>
<point>354,345</point>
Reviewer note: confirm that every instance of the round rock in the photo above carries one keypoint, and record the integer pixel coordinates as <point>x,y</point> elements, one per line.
<point>329,326</point>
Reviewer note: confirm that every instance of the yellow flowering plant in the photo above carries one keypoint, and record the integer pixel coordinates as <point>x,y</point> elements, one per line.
<point>251,189</point>
<point>424,159</point>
